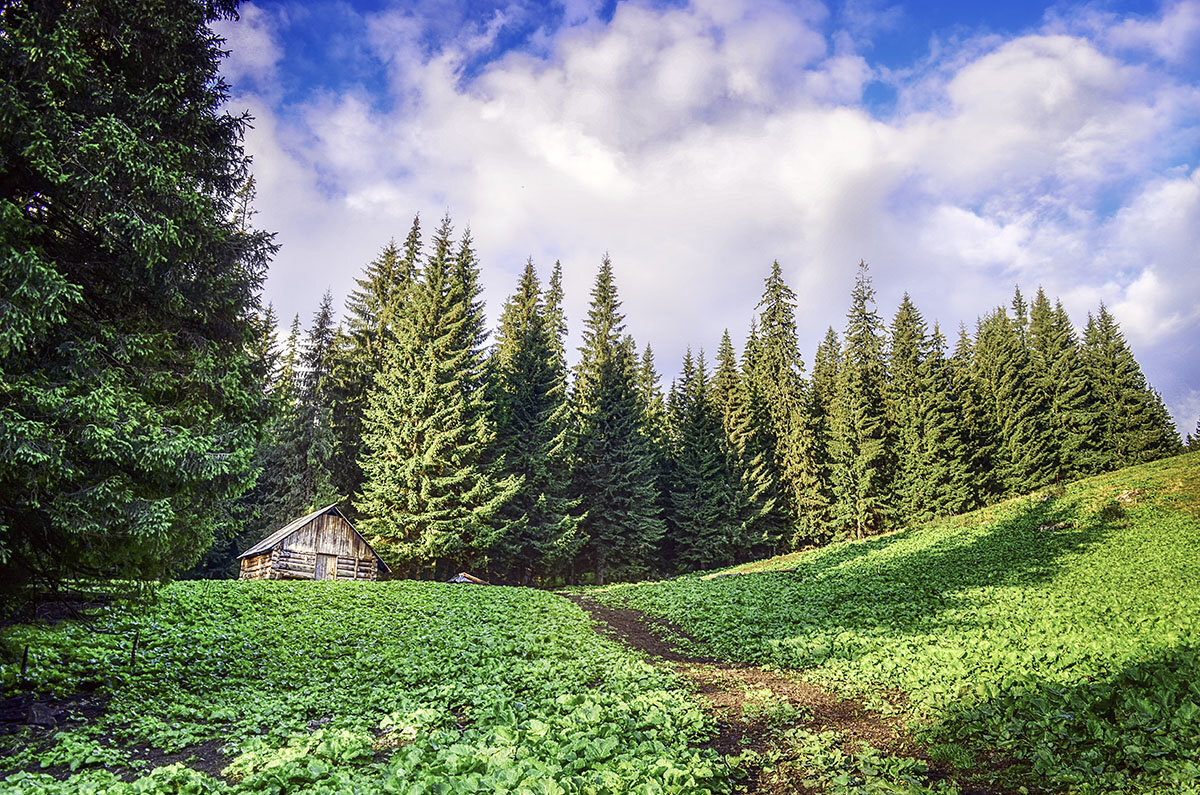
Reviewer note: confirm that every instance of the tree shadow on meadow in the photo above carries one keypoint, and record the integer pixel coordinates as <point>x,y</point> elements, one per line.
<point>873,587</point>
<point>1142,722</point>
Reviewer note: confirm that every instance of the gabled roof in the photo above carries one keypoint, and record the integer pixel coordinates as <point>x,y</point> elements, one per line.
<point>286,530</point>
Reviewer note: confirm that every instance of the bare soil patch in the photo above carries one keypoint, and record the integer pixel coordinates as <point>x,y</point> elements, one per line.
<point>42,717</point>
<point>752,707</point>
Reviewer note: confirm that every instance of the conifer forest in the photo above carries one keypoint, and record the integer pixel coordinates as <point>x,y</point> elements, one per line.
<point>157,417</point>
<point>499,457</point>
<point>915,555</point>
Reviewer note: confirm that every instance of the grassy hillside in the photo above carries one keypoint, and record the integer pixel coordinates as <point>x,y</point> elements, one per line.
<point>347,687</point>
<point>1052,640</point>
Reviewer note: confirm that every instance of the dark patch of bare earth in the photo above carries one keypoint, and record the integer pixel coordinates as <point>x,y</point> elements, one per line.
<point>726,688</point>
<point>33,720</point>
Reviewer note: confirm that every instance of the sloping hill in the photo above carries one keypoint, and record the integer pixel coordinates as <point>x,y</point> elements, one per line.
<point>1051,641</point>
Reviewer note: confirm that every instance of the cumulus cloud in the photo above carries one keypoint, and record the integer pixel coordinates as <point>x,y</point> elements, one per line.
<point>254,49</point>
<point>698,142</point>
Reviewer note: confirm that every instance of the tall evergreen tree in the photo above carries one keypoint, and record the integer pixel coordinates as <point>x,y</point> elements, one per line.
<point>370,314</point>
<point>703,496</point>
<point>428,494</point>
<point>1059,369</point>
<point>906,396</point>
<point>766,521</point>
<point>1193,439</point>
<point>308,445</point>
<point>1136,426</point>
<point>979,434</point>
<point>613,473</point>
<point>129,401</point>
<point>822,394</point>
<point>532,439</point>
<point>659,429</point>
<point>1026,450</point>
<point>778,371</point>
<point>946,461</point>
<point>861,455</point>
<point>556,317</point>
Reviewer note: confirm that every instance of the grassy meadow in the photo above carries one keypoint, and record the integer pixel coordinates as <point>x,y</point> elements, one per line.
<point>1050,641</point>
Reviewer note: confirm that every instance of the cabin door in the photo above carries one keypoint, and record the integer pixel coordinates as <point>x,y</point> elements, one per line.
<point>326,567</point>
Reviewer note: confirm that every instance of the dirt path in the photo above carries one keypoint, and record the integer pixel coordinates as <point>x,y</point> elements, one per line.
<point>753,707</point>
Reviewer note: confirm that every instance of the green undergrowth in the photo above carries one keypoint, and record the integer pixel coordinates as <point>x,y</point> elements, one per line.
<point>1056,635</point>
<point>353,687</point>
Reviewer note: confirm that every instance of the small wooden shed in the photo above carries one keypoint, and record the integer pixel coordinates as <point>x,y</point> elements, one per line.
<point>320,546</point>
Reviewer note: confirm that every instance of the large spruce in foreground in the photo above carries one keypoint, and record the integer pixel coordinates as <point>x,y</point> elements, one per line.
<point>129,396</point>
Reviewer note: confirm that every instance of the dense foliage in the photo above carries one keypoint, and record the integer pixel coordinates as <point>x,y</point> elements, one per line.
<point>363,687</point>
<point>500,458</point>
<point>1060,630</point>
<point>129,392</point>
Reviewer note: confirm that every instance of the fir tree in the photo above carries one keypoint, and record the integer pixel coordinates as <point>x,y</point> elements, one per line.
<point>556,318</point>
<point>130,287</point>
<point>765,520</point>
<point>861,458</point>
<point>532,438</point>
<point>703,495</point>
<point>359,351</point>
<point>1026,450</point>
<point>946,462</point>
<point>428,494</point>
<point>1072,417</point>
<point>1135,425</point>
<point>778,371</point>
<point>614,466</point>
<point>726,381</point>
<point>978,434</point>
<point>310,448</point>
<point>906,396</point>
<point>1193,439</point>
<point>659,429</point>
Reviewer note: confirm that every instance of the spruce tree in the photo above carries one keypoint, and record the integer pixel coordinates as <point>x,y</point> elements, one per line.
<point>861,454</point>
<point>129,290</point>
<point>429,495</point>
<point>309,449</point>
<point>979,434</point>
<point>532,420</point>
<point>1193,440</point>
<point>359,350</point>
<point>614,464</point>
<point>703,495</point>
<point>1135,425</point>
<point>659,429</point>
<point>766,522</point>
<point>946,460</point>
<point>1072,406</point>
<point>556,318</point>
<point>779,373</point>
<point>1026,449</point>
<point>906,396</point>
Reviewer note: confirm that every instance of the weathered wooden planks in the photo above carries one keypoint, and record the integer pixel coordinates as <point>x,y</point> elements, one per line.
<point>323,545</point>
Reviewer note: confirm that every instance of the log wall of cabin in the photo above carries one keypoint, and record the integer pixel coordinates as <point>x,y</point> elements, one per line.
<point>296,557</point>
<point>256,568</point>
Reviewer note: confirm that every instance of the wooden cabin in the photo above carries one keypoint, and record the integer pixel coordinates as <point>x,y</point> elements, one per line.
<point>320,546</point>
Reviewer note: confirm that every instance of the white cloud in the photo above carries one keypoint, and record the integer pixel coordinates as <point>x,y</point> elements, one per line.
<point>698,143</point>
<point>254,49</point>
<point>1173,37</point>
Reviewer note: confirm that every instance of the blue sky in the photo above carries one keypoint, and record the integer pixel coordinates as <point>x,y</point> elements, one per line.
<point>959,148</point>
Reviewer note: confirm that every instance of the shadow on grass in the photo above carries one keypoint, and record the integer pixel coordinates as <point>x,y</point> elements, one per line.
<point>879,589</point>
<point>1141,725</point>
